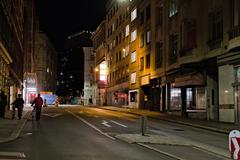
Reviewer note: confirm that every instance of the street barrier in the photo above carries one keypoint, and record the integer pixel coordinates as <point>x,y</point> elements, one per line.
<point>234,141</point>
<point>143,128</point>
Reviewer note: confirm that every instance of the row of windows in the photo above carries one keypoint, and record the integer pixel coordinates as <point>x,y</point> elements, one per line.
<point>121,73</point>
<point>119,21</point>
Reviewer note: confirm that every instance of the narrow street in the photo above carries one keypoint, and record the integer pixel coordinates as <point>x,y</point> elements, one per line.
<point>70,133</point>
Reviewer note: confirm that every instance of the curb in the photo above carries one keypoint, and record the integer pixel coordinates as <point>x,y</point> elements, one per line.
<point>15,134</point>
<point>174,121</point>
<point>161,152</point>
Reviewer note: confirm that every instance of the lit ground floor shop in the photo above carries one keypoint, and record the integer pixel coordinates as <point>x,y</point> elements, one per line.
<point>229,87</point>
<point>117,95</point>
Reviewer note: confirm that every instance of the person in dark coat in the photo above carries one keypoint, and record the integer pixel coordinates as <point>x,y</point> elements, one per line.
<point>3,103</point>
<point>19,104</point>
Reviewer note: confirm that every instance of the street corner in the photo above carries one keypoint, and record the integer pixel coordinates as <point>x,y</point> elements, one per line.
<point>151,139</point>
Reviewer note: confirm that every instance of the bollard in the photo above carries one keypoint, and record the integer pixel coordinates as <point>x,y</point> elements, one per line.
<point>234,141</point>
<point>143,128</point>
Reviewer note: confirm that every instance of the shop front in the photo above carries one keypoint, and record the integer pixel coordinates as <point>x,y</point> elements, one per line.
<point>156,94</point>
<point>188,95</point>
<point>134,98</point>
<point>117,95</point>
<point>229,87</point>
<point>30,87</point>
<point>145,97</point>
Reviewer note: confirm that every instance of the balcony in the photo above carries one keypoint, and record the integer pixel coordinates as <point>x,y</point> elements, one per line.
<point>234,38</point>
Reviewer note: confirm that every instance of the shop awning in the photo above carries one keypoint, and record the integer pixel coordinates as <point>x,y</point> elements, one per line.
<point>191,79</point>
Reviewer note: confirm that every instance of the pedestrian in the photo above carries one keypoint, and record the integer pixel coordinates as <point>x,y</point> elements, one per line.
<point>3,103</point>
<point>38,102</point>
<point>19,104</point>
<point>45,103</point>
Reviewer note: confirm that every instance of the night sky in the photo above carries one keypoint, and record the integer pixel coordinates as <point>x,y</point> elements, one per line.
<point>59,18</point>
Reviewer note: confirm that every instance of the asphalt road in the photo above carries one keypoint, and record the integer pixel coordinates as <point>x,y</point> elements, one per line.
<point>64,135</point>
<point>71,133</point>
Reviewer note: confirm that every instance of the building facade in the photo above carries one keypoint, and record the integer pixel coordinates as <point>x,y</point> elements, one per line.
<point>45,65</point>
<point>11,47</point>
<point>100,66</point>
<point>117,54</point>
<point>88,90</point>
<point>31,27</point>
<point>183,56</point>
<point>228,63</point>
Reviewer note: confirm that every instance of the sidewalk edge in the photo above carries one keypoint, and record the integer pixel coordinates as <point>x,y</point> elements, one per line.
<point>15,134</point>
<point>174,121</point>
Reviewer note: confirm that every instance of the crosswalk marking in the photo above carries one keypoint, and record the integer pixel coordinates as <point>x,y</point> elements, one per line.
<point>119,124</point>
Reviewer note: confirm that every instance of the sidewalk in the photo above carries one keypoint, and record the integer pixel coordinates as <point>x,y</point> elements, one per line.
<point>220,127</point>
<point>10,129</point>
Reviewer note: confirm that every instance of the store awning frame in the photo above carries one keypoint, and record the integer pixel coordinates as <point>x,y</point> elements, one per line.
<point>191,79</point>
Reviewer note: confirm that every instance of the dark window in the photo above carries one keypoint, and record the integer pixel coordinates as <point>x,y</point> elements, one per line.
<point>173,48</point>
<point>159,16</point>
<point>215,29</point>
<point>148,61</point>
<point>148,12</point>
<point>142,18</point>
<point>141,63</point>
<point>188,36</point>
<point>142,40</point>
<point>158,56</point>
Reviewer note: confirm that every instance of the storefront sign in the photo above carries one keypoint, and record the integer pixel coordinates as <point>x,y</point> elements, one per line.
<point>145,80</point>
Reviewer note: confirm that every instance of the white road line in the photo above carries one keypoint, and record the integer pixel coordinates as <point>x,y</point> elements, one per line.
<point>52,115</point>
<point>161,152</point>
<point>119,124</point>
<point>13,154</point>
<point>91,125</point>
<point>105,123</point>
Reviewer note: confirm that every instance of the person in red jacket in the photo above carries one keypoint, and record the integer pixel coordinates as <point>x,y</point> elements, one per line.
<point>38,102</point>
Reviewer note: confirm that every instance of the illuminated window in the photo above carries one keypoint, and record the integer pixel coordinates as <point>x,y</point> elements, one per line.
<point>133,57</point>
<point>133,77</point>
<point>103,71</point>
<point>134,14</point>
<point>127,30</point>
<point>148,37</point>
<point>173,10</point>
<point>133,35</point>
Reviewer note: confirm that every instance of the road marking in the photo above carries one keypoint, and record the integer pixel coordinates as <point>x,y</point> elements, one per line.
<point>12,155</point>
<point>119,124</point>
<point>52,115</point>
<point>105,123</point>
<point>161,152</point>
<point>91,125</point>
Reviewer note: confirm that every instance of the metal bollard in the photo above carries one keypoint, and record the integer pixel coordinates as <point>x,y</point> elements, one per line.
<point>143,128</point>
